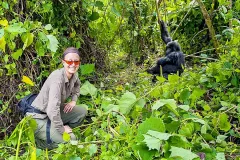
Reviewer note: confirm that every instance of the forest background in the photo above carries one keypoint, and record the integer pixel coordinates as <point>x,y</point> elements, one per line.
<point>195,116</point>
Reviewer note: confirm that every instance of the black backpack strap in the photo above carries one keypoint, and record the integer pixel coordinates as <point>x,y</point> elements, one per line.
<point>49,141</point>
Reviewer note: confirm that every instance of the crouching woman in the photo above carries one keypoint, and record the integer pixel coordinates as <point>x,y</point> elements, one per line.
<point>58,116</point>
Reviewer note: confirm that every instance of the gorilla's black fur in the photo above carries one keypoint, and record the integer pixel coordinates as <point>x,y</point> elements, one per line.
<point>174,61</point>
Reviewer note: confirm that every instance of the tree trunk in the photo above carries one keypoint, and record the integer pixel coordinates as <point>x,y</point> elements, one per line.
<point>209,24</point>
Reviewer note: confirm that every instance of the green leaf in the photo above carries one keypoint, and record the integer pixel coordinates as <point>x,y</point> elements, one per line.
<point>152,123</point>
<point>183,153</point>
<point>184,107</point>
<point>87,69</point>
<point>94,16</point>
<point>88,88</point>
<point>220,156</point>
<point>144,152</point>
<point>157,105</point>
<point>173,126</point>
<point>114,10</point>
<point>39,48</point>
<point>152,142</point>
<point>5,58</point>
<point>92,149</point>
<point>1,33</point>
<point>153,139</point>
<point>235,81</point>
<point>220,138</point>
<point>2,44</point>
<point>173,79</point>
<point>48,27</point>
<point>169,103</point>
<point>5,5</point>
<point>75,158</point>
<point>17,54</point>
<point>42,36</point>
<point>99,4</point>
<point>52,43</point>
<point>110,108</point>
<point>224,123</point>
<point>141,102</point>
<point>78,44</point>
<point>184,95</point>
<point>27,39</point>
<point>159,135</point>
<point>187,129</point>
<point>196,94</point>
<point>16,28</point>
<point>126,102</point>
<point>204,129</point>
<point>66,136</point>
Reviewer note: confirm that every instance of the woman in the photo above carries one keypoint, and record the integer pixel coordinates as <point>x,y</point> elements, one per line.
<point>60,117</point>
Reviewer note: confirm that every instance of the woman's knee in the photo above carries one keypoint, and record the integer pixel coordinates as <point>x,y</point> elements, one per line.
<point>81,110</point>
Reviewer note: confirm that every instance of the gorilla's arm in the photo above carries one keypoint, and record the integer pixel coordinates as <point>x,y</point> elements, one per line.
<point>164,33</point>
<point>163,61</point>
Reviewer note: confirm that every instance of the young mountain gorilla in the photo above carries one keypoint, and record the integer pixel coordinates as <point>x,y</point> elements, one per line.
<point>173,62</point>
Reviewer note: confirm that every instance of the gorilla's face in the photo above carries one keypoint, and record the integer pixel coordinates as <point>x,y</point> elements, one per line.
<point>172,46</point>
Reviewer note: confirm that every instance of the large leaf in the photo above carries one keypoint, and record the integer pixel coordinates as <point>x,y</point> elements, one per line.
<point>88,88</point>
<point>39,48</point>
<point>5,5</point>
<point>87,69</point>
<point>94,16</point>
<point>16,28</point>
<point>183,153</point>
<point>220,156</point>
<point>52,43</point>
<point>184,96</point>
<point>99,4</point>
<point>126,102</point>
<point>92,149</point>
<point>17,54</point>
<point>196,94</point>
<point>224,123</point>
<point>48,27</point>
<point>152,123</point>
<point>144,152</point>
<point>153,139</point>
<point>170,104</point>
<point>42,36</point>
<point>27,39</point>
<point>187,129</point>
<point>159,135</point>
<point>152,142</point>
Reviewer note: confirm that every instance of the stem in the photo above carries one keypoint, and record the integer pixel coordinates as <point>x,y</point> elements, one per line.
<point>18,145</point>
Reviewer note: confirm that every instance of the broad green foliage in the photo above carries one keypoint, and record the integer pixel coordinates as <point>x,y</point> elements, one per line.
<point>129,117</point>
<point>183,153</point>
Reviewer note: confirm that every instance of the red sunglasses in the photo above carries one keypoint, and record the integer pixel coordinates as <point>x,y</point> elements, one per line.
<point>71,62</point>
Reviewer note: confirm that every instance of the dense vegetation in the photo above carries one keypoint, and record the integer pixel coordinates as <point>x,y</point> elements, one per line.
<point>194,116</point>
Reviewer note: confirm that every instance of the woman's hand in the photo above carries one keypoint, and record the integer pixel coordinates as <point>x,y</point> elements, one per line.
<point>69,106</point>
<point>67,129</point>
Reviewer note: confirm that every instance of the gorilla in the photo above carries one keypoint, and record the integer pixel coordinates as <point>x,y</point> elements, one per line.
<point>173,62</point>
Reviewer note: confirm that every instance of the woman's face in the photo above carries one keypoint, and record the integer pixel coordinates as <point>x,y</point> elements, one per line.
<point>71,63</point>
